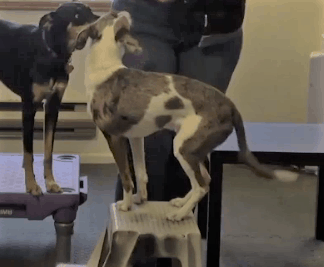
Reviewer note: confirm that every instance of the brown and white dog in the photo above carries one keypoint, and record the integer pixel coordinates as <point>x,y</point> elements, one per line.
<point>130,103</point>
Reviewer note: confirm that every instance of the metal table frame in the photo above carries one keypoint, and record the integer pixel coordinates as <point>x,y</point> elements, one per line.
<point>306,149</point>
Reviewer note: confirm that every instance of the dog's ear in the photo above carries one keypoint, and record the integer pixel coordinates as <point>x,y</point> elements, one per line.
<point>104,21</point>
<point>94,31</point>
<point>47,20</point>
<point>123,21</point>
<point>127,42</point>
<point>82,38</point>
<point>121,34</point>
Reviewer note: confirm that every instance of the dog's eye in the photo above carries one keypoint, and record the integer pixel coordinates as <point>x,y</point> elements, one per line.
<point>77,16</point>
<point>129,43</point>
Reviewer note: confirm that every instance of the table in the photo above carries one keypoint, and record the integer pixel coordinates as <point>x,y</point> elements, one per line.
<point>272,143</point>
<point>16,203</point>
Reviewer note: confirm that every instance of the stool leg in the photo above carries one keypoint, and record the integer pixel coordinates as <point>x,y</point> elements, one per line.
<point>64,232</point>
<point>320,205</point>
<point>104,251</point>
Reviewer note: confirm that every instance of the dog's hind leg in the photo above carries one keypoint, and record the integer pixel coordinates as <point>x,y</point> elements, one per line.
<point>181,201</point>
<point>190,164</point>
<point>52,107</point>
<point>191,145</point>
<point>28,114</point>
<point>118,147</point>
<point>137,146</point>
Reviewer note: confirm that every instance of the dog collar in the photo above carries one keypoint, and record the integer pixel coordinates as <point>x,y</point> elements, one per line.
<point>47,46</point>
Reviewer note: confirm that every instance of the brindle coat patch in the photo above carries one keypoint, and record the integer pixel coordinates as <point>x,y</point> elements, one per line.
<point>205,98</point>
<point>124,97</point>
<point>174,103</point>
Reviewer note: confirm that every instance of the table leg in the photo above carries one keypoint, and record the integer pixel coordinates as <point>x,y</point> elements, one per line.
<point>202,216</point>
<point>64,232</point>
<point>320,205</point>
<point>214,212</point>
<point>203,210</point>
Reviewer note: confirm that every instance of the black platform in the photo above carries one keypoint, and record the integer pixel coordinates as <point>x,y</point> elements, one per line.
<point>16,203</point>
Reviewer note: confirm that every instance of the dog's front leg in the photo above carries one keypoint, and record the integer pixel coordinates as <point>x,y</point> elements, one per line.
<point>28,112</point>
<point>52,106</point>
<point>137,145</point>
<point>118,147</point>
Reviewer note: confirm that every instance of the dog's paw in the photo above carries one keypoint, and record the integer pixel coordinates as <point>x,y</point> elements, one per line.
<point>144,193</point>
<point>176,216</point>
<point>139,198</point>
<point>34,189</point>
<point>53,187</point>
<point>178,202</point>
<point>123,205</point>
<point>142,188</point>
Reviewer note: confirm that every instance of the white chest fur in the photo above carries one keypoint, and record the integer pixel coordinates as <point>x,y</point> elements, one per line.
<point>101,62</point>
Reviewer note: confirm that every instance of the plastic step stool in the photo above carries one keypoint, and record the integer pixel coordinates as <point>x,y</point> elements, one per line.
<point>144,232</point>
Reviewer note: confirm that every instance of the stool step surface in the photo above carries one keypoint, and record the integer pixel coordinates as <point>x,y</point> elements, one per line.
<point>12,175</point>
<point>150,218</point>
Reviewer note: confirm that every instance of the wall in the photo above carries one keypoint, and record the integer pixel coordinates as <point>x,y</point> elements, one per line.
<point>270,83</point>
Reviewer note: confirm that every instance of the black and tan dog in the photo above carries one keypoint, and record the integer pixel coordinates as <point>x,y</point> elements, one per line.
<point>34,64</point>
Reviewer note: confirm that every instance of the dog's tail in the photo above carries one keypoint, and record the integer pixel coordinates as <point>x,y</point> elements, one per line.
<point>246,156</point>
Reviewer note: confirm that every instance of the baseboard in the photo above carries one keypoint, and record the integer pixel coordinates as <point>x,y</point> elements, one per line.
<point>97,158</point>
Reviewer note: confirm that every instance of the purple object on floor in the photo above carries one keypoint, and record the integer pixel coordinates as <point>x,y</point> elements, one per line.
<point>16,203</point>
